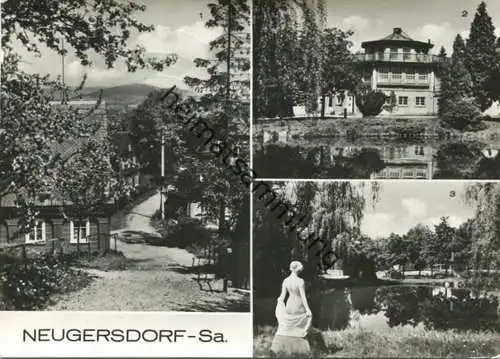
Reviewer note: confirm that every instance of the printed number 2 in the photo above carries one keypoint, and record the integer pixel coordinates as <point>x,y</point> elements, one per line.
<point>465,13</point>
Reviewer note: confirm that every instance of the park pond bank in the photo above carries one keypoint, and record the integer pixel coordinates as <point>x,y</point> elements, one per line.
<point>397,320</point>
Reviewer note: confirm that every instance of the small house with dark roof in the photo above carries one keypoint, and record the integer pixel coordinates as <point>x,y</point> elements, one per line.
<point>57,218</point>
<point>401,64</point>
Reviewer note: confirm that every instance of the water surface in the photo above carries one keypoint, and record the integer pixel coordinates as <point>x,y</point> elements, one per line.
<point>282,157</point>
<point>380,308</point>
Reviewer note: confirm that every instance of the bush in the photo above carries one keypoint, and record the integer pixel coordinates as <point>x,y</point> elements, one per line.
<point>188,232</point>
<point>370,102</point>
<point>28,285</point>
<point>464,115</point>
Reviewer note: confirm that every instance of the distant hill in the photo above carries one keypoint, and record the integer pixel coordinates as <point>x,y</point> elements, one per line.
<point>125,95</point>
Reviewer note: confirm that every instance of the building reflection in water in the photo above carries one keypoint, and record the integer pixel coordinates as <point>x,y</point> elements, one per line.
<point>401,161</point>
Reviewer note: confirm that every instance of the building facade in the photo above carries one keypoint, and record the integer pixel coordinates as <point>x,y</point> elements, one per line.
<point>399,64</point>
<point>58,219</point>
<point>403,65</point>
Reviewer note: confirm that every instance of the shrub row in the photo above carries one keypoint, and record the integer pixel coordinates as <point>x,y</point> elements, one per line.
<point>29,284</point>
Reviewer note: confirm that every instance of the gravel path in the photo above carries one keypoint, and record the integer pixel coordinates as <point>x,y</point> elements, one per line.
<point>161,278</point>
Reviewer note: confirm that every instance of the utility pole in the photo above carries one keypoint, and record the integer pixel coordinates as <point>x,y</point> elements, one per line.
<point>162,188</point>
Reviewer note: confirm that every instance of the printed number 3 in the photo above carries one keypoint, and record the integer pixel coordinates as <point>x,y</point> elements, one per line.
<point>452,194</point>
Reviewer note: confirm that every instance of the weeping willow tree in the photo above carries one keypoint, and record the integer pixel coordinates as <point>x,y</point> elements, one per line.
<point>486,226</point>
<point>336,211</point>
<point>331,220</point>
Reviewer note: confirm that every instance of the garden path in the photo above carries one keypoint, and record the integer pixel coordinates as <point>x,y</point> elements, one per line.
<point>160,278</point>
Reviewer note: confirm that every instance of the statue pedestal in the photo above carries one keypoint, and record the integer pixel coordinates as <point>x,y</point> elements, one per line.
<point>286,346</point>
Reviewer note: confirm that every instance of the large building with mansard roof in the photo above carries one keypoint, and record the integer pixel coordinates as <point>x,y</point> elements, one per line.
<point>401,64</point>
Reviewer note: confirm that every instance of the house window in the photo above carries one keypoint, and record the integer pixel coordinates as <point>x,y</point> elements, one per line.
<point>394,53</point>
<point>81,228</point>
<point>403,100</point>
<point>406,54</point>
<point>410,75</point>
<point>330,101</point>
<point>387,100</point>
<point>420,101</point>
<point>37,233</point>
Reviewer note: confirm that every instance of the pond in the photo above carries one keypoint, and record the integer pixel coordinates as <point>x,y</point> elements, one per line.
<point>385,307</point>
<point>375,159</point>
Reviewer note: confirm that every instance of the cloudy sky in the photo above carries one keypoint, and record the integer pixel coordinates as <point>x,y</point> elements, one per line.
<point>180,28</point>
<point>437,20</point>
<point>402,205</point>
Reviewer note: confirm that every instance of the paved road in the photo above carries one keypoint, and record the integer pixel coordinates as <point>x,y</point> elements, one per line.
<point>160,279</point>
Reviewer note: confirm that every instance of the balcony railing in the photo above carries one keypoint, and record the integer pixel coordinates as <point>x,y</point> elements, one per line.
<point>400,82</point>
<point>400,57</point>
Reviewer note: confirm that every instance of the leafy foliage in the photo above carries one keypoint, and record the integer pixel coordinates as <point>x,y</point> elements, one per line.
<point>38,135</point>
<point>188,232</point>
<point>456,79</point>
<point>486,229</point>
<point>370,102</point>
<point>464,115</point>
<point>102,27</point>
<point>29,285</point>
<point>287,56</point>
<point>339,71</point>
<point>481,56</point>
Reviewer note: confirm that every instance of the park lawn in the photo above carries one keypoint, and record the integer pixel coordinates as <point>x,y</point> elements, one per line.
<point>396,342</point>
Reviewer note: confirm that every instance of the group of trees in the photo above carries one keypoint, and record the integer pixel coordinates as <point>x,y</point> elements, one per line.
<point>86,172</point>
<point>334,212</point>
<point>222,101</point>
<point>422,247</point>
<point>470,78</point>
<point>32,128</point>
<point>296,59</point>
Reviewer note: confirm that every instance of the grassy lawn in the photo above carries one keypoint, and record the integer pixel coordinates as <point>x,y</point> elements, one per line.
<point>396,342</point>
